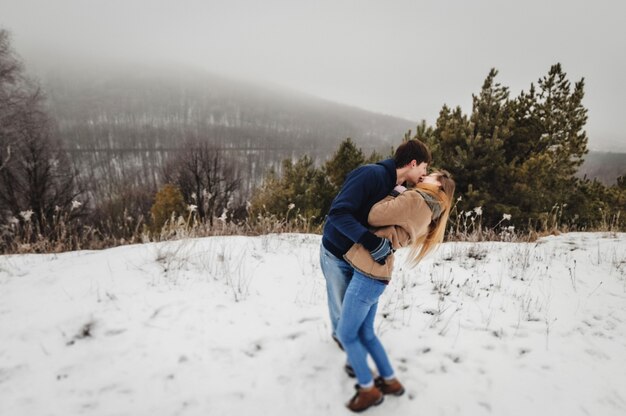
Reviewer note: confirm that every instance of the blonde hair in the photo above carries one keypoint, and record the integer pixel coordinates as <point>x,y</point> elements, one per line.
<point>437,228</point>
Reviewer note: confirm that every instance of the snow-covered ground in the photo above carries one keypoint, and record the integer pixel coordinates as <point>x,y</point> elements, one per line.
<point>239,326</point>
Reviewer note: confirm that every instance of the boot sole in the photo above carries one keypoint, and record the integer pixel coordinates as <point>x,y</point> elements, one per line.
<point>382,399</point>
<point>398,393</point>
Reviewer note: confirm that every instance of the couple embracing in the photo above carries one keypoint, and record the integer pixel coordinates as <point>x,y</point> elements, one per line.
<point>372,216</point>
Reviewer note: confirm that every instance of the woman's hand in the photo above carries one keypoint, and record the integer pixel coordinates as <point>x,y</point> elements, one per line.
<point>399,189</point>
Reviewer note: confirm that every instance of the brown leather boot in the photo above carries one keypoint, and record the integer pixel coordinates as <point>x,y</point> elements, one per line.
<point>389,387</point>
<point>365,398</point>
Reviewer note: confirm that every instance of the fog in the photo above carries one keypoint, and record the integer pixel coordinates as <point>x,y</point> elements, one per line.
<point>403,58</point>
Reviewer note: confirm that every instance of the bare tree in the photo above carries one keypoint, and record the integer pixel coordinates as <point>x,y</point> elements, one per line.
<point>35,174</point>
<point>205,178</point>
<point>11,95</point>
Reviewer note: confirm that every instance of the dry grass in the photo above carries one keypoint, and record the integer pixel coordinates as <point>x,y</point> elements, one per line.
<point>67,233</point>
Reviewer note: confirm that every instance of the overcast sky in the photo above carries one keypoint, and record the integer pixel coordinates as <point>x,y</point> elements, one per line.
<point>400,57</point>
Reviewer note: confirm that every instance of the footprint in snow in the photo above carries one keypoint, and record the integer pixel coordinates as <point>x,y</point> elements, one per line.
<point>294,335</point>
<point>252,352</point>
<point>598,354</point>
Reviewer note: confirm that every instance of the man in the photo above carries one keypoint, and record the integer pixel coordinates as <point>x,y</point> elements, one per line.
<point>346,223</point>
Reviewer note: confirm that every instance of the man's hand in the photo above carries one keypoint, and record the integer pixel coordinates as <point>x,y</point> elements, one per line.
<point>382,251</point>
<point>379,248</point>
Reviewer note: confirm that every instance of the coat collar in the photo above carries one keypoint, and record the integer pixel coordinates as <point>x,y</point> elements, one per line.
<point>433,204</point>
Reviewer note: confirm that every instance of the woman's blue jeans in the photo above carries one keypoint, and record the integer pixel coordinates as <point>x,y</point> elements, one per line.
<point>356,328</point>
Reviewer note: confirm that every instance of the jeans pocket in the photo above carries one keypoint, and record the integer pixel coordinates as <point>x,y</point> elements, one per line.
<point>370,289</point>
<point>378,288</point>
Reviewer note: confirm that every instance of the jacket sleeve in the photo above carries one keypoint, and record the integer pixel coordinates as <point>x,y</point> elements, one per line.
<point>353,195</point>
<point>390,210</point>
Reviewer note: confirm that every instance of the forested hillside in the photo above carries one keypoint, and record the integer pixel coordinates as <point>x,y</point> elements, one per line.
<point>148,108</point>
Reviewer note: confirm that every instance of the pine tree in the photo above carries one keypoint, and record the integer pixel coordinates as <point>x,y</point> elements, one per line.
<point>304,191</point>
<point>299,192</point>
<point>547,144</point>
<point>472,148</point>
<point>423,132</point>
<point>345,159</point>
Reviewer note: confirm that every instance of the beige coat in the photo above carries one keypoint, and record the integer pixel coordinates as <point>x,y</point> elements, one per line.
<point>401,219</point>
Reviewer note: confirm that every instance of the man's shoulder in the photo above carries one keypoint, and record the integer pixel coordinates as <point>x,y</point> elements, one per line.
<point>365,175</point>
<point>381,168</point>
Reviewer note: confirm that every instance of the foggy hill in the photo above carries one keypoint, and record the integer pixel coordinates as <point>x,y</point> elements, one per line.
<point>604,166</point>
<point>149,109</point>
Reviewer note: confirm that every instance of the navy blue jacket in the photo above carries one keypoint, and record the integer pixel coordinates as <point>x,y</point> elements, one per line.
<point>346,223</point>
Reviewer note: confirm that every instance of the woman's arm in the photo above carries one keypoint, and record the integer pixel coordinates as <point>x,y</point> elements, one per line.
<point>390,211</point>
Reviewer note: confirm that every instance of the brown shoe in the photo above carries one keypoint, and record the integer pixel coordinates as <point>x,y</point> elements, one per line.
<point>365,398</point>
<point>389,387</point>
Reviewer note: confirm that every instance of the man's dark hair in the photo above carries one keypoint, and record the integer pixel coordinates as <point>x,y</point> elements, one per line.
<point>413,149</point>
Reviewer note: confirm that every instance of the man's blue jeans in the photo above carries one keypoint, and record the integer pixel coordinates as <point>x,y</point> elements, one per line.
<point>356,328</point>
<point>337,273</point>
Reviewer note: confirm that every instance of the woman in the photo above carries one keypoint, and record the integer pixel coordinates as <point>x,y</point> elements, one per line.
<point>417,219</point>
